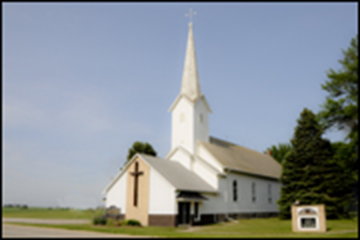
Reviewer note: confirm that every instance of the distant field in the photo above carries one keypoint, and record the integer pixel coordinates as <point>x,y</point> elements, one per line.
<point>45,213</point>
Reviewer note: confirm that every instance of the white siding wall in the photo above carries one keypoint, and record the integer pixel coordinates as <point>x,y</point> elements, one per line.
<point>187,129</point>
<point>182,132</point>
<point>215,203</point>
<point>244,201</point>
<point>224,203</point>
<point>162,195</point>
<point>117,194</point>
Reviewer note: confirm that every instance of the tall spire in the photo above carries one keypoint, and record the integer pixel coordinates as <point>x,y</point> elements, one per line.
<point>190,85</point>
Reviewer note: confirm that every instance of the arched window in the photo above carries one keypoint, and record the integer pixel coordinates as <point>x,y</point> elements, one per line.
<point>182,117</point>
<point>253,192</point>
<point>234,190</point>
<point>269,194</point>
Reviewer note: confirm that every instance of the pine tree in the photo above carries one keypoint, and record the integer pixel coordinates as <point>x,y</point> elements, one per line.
<point>310,174</point>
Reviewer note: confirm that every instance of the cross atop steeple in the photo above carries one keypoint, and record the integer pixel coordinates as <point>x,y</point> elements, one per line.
<point>190,14</point>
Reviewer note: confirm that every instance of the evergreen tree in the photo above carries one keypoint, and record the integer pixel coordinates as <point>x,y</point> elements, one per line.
<point>310,174</point>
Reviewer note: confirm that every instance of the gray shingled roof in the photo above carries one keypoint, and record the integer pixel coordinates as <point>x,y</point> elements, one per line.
<point>178,176</point>
<point>242,159</point>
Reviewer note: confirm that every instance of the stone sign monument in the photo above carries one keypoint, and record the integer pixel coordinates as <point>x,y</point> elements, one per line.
<point>113,213</point>
<point>308,218</point>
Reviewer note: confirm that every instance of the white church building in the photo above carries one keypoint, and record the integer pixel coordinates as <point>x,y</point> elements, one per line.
<point>202,179</point>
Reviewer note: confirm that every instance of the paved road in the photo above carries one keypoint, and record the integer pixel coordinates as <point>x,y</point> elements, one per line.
<point>46,221</point>
<point>17,231</point>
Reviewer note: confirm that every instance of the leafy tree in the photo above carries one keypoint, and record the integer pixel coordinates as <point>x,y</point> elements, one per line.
<point>340,109</point>
<point>280,152</point>
<point>310,174</point>
<point>139,147</point>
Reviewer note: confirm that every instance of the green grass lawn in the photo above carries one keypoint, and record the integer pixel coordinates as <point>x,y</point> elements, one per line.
<point>214,231</point>
<point>45,213</point>
<point>247,228</point>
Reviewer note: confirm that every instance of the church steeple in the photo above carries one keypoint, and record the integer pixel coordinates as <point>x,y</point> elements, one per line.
<point>190,121</point>
<point>190,85</point>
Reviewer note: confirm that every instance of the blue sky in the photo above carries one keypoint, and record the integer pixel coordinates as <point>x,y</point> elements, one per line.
<point>83,81</point>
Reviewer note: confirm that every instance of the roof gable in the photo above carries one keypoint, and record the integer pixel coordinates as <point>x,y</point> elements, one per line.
<point>173,172</point>
<point>180,96</point>
<point>120,173</point>
<point>178,148</point>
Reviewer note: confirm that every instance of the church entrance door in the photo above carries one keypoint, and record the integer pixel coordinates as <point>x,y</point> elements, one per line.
<point>183,213</point>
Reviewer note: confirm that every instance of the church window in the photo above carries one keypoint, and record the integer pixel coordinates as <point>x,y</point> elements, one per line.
<point>182,117</point>
<point>201,118</point>
<point>269,193</point>
<point>234,190</point>
<point>253,190</point>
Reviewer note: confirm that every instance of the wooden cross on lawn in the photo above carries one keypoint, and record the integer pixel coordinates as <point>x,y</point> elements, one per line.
<point>136,174</point>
